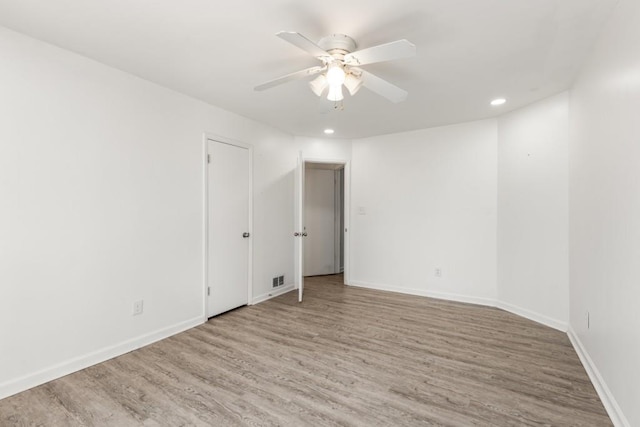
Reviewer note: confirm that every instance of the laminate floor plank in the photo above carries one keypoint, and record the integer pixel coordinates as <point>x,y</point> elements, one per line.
<point>346,356</point>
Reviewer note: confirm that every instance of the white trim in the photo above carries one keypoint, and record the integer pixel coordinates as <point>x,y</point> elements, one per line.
<point>329,160</point>
<point>207,136</point>
<point>226,140</point>
<point>425,293</point>
<point>607,398</point>
<point>527,314</point>
<point>273,294</point>
<point>531,315</point>
<point>347,224</point>
<point>338,213</point>
<point>205,222</point>
<point>59,370</point>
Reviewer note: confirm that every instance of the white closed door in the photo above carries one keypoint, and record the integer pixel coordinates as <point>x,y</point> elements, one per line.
<point>228,226</point>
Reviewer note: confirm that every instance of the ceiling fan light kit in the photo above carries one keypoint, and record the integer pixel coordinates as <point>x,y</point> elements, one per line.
<point>335,93</point>
<point>340,62</point>
<point>352,83</point>
<point>319,84</point>
<point>335,79</point>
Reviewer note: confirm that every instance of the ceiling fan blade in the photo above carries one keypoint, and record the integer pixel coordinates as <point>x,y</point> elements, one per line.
<point>289,77</point>
<point>303,43</point>
<point>383,88</point>
<point>384,52</point>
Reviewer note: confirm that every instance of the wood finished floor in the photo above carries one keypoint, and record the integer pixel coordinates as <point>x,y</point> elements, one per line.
<point>345,356</point>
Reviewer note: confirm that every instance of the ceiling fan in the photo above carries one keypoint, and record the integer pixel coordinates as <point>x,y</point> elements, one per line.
<point>341,66</point>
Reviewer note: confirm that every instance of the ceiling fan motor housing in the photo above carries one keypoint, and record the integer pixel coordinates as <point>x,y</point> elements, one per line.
<point>339,44</point>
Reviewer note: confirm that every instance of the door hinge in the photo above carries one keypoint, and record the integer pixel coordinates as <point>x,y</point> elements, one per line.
<point>208,158</point>
<point>208,290</point>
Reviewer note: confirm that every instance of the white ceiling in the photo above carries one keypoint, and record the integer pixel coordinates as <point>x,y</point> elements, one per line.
<point>469,51</point>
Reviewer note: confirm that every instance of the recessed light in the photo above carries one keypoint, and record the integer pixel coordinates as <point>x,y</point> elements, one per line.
<point>329,131</point>
<point>498,101</point>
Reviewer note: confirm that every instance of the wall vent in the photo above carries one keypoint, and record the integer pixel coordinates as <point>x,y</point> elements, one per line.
<point>277,281</point>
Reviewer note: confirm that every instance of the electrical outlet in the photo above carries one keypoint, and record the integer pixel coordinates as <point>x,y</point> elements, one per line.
<point>438,272</point>
<point>138,307</point>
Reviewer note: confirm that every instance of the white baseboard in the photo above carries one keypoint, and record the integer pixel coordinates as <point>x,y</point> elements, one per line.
<point>26,382</point>
<point>273,294</point>
<point>527,314</point>
<point>424,293</point>
<point>609,402</point>
<point>531,315</point>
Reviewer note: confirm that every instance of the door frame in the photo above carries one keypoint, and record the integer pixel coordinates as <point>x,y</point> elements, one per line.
<point>205,216</point>
<point>338,228</point>
<point>346,207</point>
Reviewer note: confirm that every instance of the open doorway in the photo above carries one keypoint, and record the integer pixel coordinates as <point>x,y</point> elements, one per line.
<point>338,253</point>
<point>324,219</point>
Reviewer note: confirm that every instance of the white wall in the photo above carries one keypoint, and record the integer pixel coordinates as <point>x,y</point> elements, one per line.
<point>324,148</point>
<point>429,201</point>
<point>319,214</point>
<point>533,247</point>
<point>605,208</point>
<point>101,183</point>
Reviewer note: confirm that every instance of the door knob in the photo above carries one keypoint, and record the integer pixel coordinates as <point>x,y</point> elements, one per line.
<point>304,234</point>
<point>296,234</point>
<point>245,235</point>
